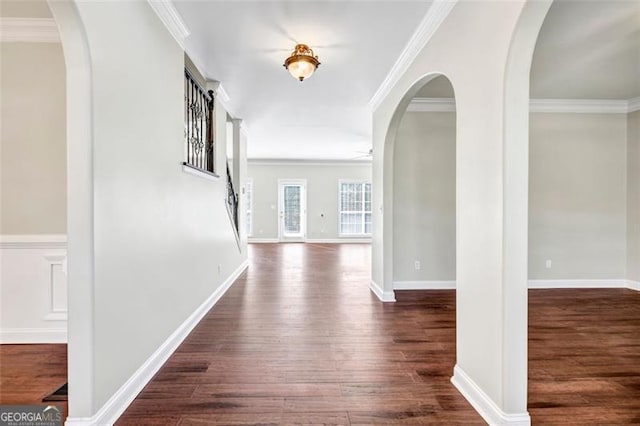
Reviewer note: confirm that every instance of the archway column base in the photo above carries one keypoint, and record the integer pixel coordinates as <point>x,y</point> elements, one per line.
<point>483,404</point>
<point>384,296</point>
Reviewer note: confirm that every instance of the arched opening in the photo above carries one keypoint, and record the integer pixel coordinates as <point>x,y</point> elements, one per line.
<point>424,191</point>
<point>421,146</point>
<point>80,227</point>
<point>53,110</point>
<point>583,209</point>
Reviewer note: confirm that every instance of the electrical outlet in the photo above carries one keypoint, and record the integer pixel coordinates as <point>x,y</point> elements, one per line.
<point>417,265</point>
<point>548,264</point>
<point>219,269</point>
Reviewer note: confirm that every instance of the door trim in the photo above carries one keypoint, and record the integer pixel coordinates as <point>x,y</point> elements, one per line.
<point>303,208</point>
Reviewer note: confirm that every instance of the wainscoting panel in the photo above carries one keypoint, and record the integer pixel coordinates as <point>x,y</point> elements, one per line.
<point>33,288</point>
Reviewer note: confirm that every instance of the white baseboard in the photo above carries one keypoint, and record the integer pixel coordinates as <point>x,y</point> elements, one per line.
<point>615,283</point>
<point>33,335</point>
<point>314,240</point>
<point>533,284</point>
<point>388,296</point>
<point>262,240</point>
<point>633,285</point>
<point>483,404</point>
<point>115,406</point>
<point>339,241</point>
<point>424,285</point>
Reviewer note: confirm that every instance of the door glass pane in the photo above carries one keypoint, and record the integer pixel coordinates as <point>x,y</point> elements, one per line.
<point>292,209</point>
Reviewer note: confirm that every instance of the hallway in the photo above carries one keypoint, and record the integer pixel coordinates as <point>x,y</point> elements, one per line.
<point>299,338</point>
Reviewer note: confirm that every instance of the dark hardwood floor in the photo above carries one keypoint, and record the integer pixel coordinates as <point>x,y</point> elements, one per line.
<point>299,339</point>
<point>28,373</point>
<point>584,356</point>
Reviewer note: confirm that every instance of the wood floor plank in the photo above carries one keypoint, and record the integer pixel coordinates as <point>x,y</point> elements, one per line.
<point>300,339</point>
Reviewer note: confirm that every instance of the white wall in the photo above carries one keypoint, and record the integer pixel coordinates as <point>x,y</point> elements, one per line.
<point>322,195</point>
<point>577,209</point>
<point>33,139</point>
<point>424,197</point>
<point>577,199</point>
<point>163,240</point>
<point>633,198</point>
<point>33,302</point>
<point>491,190</point>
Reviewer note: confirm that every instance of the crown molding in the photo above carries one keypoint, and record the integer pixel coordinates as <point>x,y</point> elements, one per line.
<point>244,129</point>
<point>222,94</point>
<point>171,19</point>
<point>575,106</point>
<point>432,105</point>
<point>29,30</point>
<point>580,106</point>
<point>434,17</point>
<point>305,162</point>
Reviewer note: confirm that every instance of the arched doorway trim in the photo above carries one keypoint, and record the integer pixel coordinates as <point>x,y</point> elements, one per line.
<point>80,227</point>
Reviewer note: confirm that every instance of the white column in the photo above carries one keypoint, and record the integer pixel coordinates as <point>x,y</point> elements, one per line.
<point>240,176</point>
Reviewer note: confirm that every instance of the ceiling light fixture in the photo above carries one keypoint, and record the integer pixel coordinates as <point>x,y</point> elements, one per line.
<point>302,62</point>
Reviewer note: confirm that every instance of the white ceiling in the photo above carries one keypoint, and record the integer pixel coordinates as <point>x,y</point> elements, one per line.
<point>588,49</point>
<point>243,44</point>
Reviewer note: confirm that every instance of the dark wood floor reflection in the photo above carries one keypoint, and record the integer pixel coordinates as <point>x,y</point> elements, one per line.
<point>584,356</point>
<point>28,373</point>
<point>300,339</point>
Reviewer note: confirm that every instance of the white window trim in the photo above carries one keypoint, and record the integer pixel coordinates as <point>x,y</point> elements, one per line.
<point>249,206</point>
<point>340,233</point>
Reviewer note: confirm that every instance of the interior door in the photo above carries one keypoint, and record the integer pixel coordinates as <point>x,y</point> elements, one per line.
<point>292,210</point>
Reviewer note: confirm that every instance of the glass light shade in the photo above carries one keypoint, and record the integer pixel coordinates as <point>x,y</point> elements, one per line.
<point>302,62</point>
<point>301,69</point>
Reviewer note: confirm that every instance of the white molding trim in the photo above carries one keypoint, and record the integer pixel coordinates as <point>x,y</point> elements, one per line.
<point>33,241</point>
<point>171,19</point>
<point>615,283</point>
<point>574,106</point>
<point>224,96</point>
<point>33,335</point>
<point>579,106</point>
<point>633,105</point>
<point>424,285</point>
<point>483,404</point>
<point>306,162</point>
<point>432,105</point>
<point>119,401</point>
<point>252,240</point>
<point>366,240</point>
<point>195,172</point>
<point>55,314</point>
<point>633,285</point>
<point>532,284</point>
<point>389,296</point>
<point>29,30</point>
<point>432,20</point>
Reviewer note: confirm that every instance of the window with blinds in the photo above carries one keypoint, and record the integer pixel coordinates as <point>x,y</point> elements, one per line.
<point>355,208</point>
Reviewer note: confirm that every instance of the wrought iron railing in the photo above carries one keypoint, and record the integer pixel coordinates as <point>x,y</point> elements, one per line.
<point>198,125</point>
<point>232,199</point>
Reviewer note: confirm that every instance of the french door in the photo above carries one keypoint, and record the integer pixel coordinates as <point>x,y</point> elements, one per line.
<point>292,214</point>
